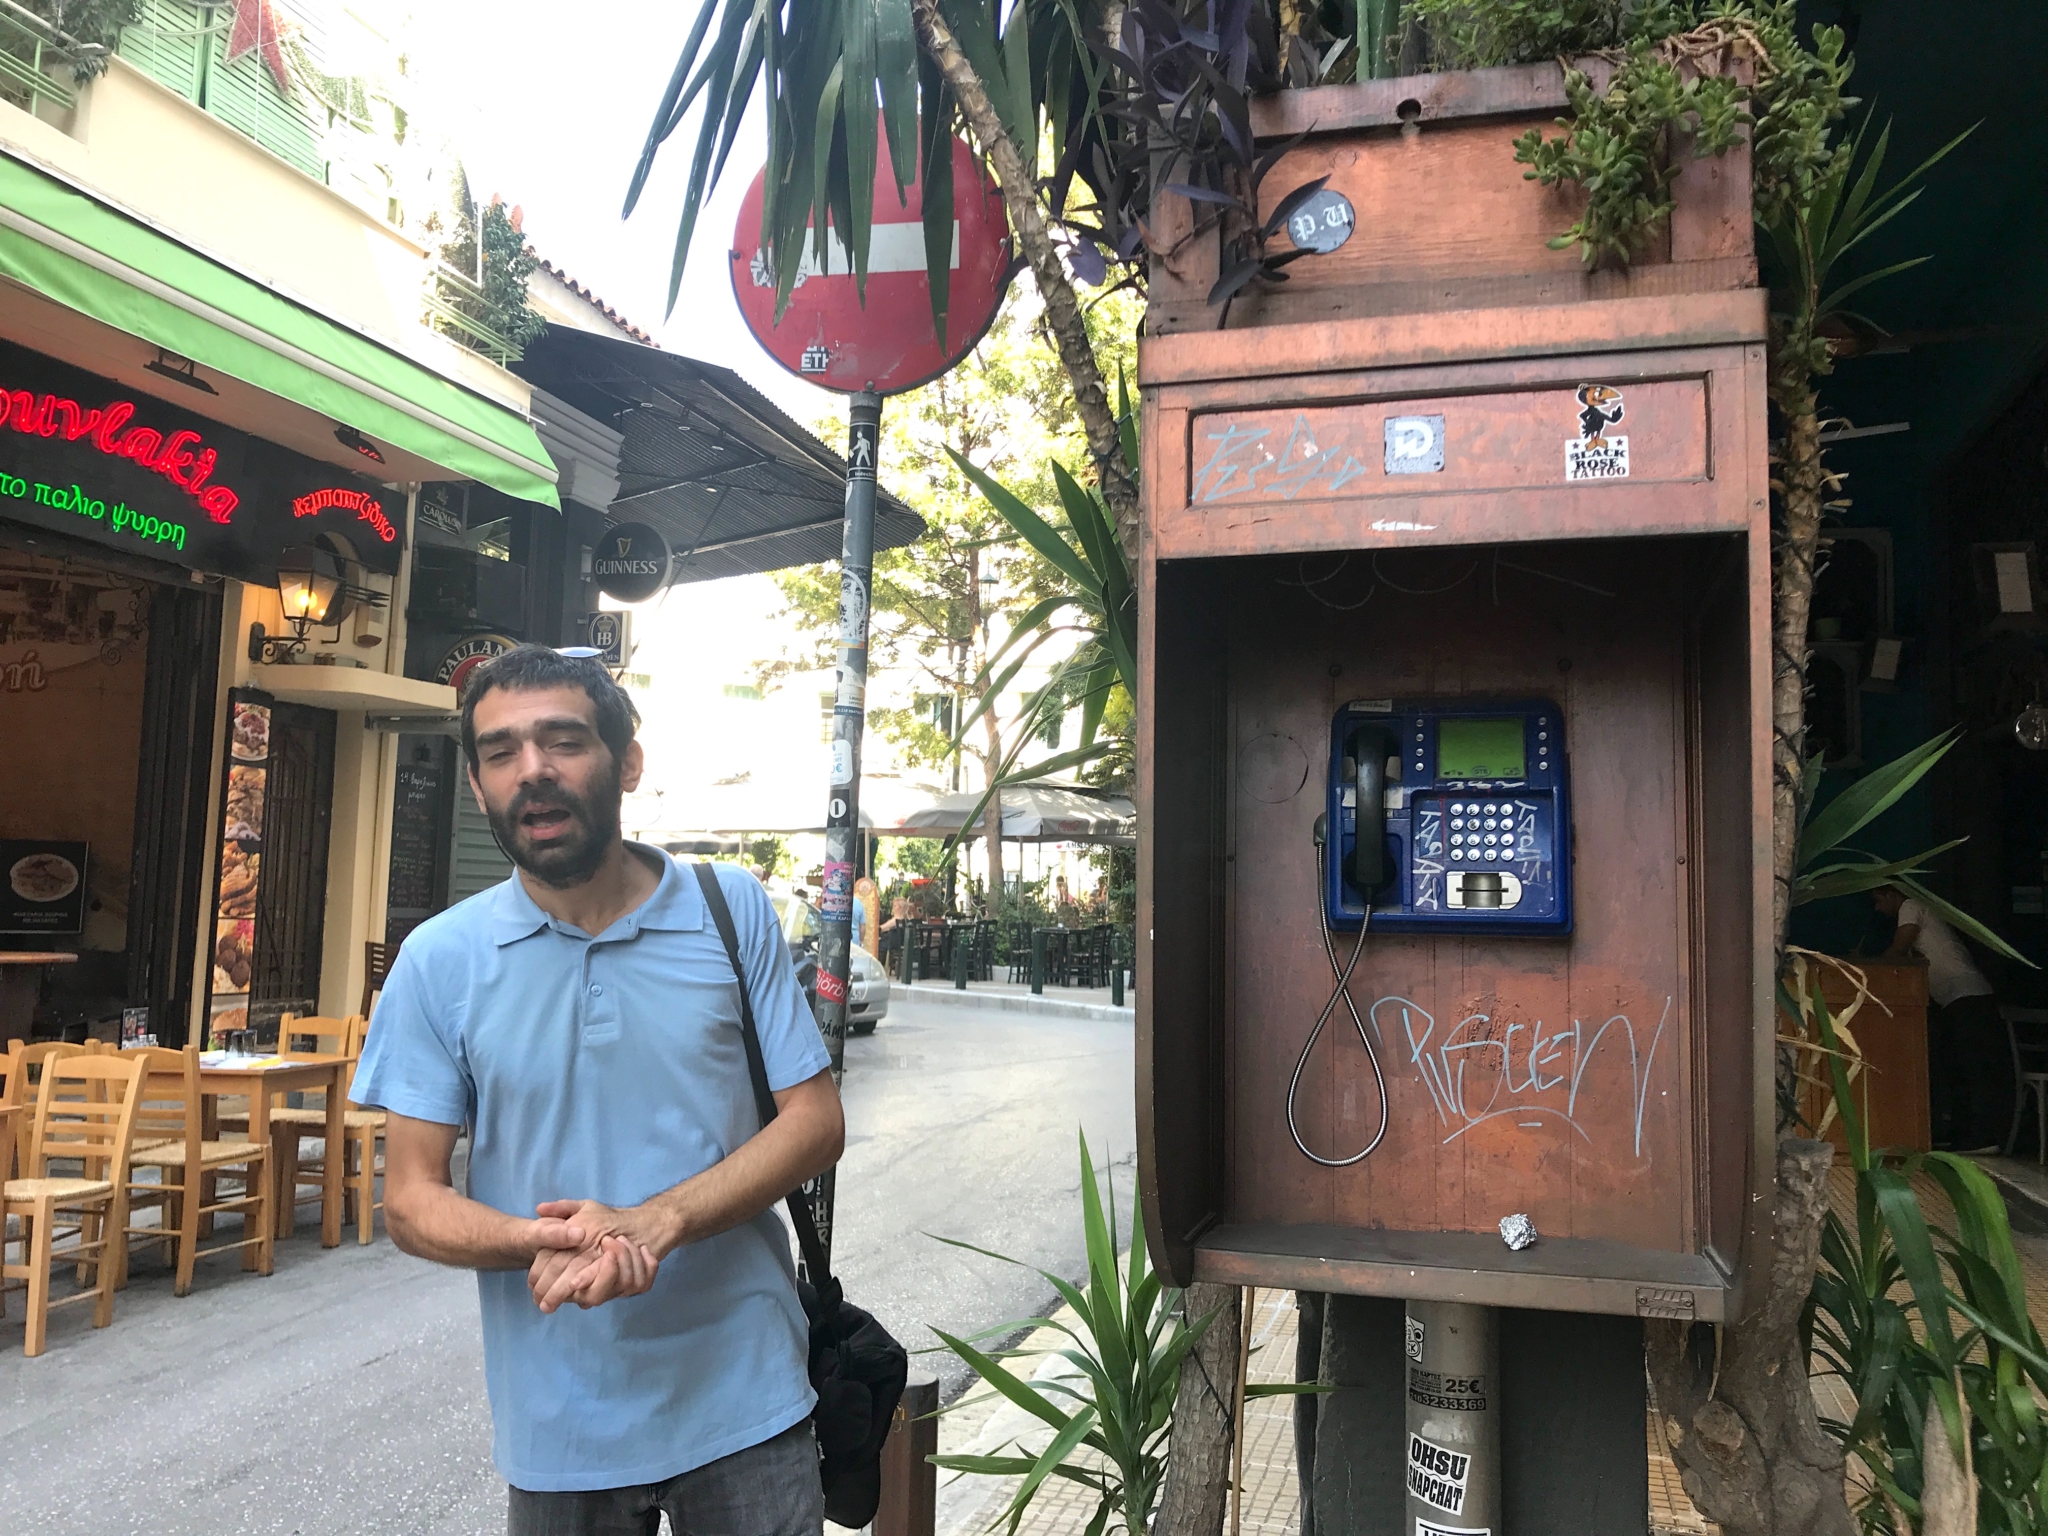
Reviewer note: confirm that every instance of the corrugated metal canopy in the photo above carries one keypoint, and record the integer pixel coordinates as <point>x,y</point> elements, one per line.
<point>729,478</point>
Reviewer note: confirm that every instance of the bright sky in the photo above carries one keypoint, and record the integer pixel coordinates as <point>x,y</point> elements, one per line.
<point>549,108</point>
<point>558,101</point>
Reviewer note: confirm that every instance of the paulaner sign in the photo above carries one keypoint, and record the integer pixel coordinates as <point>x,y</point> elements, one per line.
<point>85,457</point>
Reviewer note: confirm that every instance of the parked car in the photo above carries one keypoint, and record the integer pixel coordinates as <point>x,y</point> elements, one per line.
<point>867,987</point>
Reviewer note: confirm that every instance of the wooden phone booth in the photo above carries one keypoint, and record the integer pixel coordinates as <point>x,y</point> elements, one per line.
<point>1446,477</point>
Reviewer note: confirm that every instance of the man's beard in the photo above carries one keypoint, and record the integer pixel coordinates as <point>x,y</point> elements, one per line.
<point>572,857</point>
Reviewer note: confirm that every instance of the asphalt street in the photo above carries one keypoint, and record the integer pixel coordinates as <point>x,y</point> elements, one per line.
<point>344,1395</point>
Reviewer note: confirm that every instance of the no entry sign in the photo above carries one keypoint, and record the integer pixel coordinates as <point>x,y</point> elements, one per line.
<point>889,344</point>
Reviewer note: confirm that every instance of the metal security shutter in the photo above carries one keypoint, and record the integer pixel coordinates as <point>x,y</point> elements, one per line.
<point>477,864</point>
<point>169,42</point>
<point>165,900</point>
<point>291,900</point>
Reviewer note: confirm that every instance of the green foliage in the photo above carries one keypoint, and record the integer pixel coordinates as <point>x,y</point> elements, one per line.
<point>1826,867</point>
<point>1469,35</point>
<point>971,589</point>
<point>1674,91</point>
<point>1907,1312</point>
<point>89,21</point>
<point>1618,147</point>
<point>1099,600</point>
<point>1110,1423</point>
<point>508,261</point>
<point>1901,1310</point>
<point>1813,227</point>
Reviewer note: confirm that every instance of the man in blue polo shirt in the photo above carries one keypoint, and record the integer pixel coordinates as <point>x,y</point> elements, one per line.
<point>582,1020</point>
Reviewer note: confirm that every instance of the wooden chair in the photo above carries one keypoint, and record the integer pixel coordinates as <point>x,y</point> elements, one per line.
<point>170,1114</point>
<point>364,1131</point>
<point>85,1113</point>
<point>289,1127</point>
<point>377,960</point>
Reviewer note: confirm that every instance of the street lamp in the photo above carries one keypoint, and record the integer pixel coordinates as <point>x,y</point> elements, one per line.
<point>312,590</point>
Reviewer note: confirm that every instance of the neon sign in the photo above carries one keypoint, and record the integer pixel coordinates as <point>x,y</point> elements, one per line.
<point>182,458</point>
<point>365,506</point>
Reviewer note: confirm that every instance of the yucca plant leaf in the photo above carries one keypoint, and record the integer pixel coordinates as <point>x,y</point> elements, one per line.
<point>1034,530</point>
<point>1960,920</point>
<point>1915,1248</point>
<point>1022,1393</point>
<point>1049,1460</point>
<point>1870,797</point>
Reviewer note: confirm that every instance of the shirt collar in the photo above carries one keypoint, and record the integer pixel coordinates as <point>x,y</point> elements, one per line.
<point>676,905</point>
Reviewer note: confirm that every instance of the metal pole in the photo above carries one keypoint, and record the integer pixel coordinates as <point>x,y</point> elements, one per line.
<point>1452,1447</point>
<point>849,716</point>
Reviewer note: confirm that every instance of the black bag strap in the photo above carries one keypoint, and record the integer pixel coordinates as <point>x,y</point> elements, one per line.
<point>757,1069</point>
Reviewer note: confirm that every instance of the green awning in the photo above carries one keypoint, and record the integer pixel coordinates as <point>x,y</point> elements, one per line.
<point>83,254</point>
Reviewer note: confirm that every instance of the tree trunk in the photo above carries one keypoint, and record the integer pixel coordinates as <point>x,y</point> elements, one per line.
<point>1034,235</point>
<point>1197,1487</point>
<point>1803,484</point>
<point>1741,1427</point>
<point>992,834</point>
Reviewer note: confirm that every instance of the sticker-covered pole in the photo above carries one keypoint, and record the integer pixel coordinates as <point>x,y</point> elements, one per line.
<point>1452,1448</point>
<point>849,717</point>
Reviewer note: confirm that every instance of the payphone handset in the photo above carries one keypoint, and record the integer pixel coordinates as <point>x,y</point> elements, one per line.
<point>1449,816</point>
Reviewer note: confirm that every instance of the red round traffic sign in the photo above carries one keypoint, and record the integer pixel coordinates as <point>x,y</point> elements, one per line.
<point>889,344</point>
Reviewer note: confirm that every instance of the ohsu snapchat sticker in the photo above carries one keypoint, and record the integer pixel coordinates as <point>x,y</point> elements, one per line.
<point>1437,1474</point>
<point>1596,453</point>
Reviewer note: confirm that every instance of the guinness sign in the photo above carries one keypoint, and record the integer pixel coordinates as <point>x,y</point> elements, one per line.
<point>631,562</point>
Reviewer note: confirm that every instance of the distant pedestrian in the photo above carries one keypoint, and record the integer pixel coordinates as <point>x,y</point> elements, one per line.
<point>581,1020</point>
<point>1971,1087</point>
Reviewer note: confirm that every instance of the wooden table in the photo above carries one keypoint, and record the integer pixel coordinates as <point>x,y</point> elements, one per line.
<point>1892,1030</point>
<point>19,975</point>
<point>297,1074</point>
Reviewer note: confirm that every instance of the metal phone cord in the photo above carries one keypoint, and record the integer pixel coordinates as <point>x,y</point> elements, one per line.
<point>1343,994</point>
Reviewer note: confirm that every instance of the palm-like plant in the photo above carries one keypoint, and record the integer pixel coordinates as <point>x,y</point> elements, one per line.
<point>1111,1420</point>
<point>1100,605</point>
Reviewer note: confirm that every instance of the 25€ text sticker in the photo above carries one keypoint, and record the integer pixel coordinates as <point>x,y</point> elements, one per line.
<point>1595,454</point>
<point>1436,1474</point>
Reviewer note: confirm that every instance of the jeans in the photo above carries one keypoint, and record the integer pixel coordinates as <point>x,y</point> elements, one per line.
<point>770,1489</point>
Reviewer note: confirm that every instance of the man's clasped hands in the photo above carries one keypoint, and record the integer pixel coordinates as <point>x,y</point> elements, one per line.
<point>591,1253</point>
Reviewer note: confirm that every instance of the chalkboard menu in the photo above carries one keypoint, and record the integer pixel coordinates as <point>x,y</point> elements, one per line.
<point>415,823</point>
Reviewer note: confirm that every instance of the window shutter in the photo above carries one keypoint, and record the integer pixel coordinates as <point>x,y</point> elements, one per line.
<point>243,95</point>
<point>167,42</point>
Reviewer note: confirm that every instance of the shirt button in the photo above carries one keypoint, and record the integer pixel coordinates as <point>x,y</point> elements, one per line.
<point>596,990</point>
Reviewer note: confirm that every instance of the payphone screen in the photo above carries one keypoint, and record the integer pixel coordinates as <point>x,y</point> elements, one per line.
<point>1480,749</point>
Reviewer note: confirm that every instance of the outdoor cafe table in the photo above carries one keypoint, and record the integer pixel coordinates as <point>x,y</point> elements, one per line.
<point>262,1076</point>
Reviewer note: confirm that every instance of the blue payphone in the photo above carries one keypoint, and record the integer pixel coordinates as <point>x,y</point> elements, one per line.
<point>1443,816</point>
<point>1449,817</point>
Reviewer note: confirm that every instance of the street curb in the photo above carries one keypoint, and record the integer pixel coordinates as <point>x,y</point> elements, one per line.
<point>1010,1002</point>
<point>2027,1211</point>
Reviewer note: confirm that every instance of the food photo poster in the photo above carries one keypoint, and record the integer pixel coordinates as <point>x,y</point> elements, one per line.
<point>241,865</point>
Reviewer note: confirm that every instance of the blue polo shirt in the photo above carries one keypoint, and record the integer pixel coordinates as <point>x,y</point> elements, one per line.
<point>610,1068</point>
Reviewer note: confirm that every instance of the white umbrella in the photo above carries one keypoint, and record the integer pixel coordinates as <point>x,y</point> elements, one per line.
<point>1032,813</point>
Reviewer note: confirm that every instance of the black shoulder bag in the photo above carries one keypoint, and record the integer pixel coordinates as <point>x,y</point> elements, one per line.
<point>857,1369</point>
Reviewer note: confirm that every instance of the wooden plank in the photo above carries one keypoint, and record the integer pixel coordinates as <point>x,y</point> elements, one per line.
<point>1380,342</point>
<point>1518,90</point>
<point>1508,440</point>
<point>1568,1276</point>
